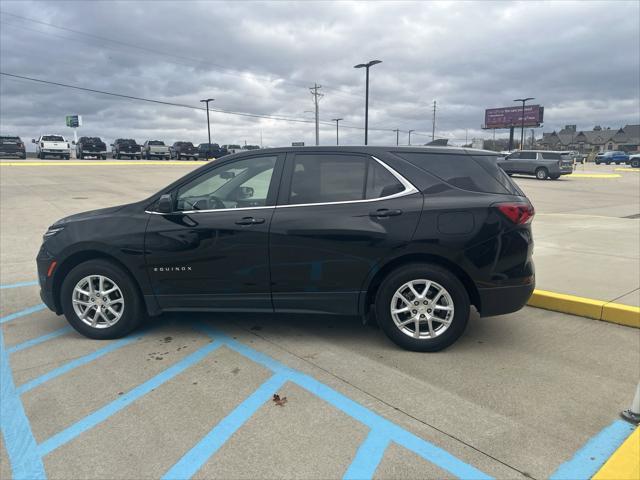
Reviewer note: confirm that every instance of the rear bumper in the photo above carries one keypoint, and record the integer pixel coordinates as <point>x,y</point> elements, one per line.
<point>503,300</point>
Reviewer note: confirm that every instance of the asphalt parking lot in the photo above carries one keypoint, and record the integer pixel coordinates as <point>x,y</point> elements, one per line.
<point>190,395</point>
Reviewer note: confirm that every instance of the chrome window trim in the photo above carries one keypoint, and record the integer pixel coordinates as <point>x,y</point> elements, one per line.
<point>409,189</point>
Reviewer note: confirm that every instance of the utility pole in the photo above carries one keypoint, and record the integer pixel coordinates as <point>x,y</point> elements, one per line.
<point>397,130</point>
<point>337,137</point>
<point>466,136</point>
<point>532,138</point>
<point>410,136</point>
<point>523,100</point>
<point>206,101</point>
<point>433,123</point>
<point>367,66</point>
<point>316,98</point>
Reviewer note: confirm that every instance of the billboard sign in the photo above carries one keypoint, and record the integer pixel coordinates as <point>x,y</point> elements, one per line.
<point>73,121</point>
<point>512,116</point>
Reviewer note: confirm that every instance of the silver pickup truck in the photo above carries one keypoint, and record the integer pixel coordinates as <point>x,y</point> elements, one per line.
<point>541,163</point>
<point>155,149</point>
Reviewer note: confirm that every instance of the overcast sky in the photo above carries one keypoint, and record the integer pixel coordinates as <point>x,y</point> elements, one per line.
<point>581,60</point>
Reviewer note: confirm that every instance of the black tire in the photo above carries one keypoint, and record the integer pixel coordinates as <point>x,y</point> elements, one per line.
<point>104,157</point>
<point>542,173</point>
<point>555,177</point>
<point>81,157</point>
<point>133,308</point>
<point>138,157</point>
<point>178,157</point>
<point>434,273</point>
<point>66,157</point>
<point>607,163</point>
<point>23,156</point>
<point>118,156</point>
<point>635,163</point>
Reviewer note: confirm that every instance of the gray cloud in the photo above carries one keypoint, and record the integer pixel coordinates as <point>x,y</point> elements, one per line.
<point>579,59</point>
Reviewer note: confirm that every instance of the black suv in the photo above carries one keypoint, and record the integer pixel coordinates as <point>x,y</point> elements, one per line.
<point>210,150</point>
<point>126,147</point>
<point>414,235</point>
<point>91,147</point>
<point>180,150</point>
<point>12,146</point>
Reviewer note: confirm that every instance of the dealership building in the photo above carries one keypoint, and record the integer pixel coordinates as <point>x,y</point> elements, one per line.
<point>599,139</point>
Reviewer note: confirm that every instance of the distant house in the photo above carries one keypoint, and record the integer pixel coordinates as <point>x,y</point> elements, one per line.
<point>599,139</point>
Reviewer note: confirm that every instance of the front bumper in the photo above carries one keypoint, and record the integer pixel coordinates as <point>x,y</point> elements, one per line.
<point>53,151</point>
<point>43,262</point>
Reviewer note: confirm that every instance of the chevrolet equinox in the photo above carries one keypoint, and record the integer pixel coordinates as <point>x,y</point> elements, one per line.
<point>412,236</point>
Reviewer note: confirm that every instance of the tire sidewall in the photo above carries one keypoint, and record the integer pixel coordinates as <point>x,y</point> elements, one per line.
<point>133,306</point>
<point>542,171</point>
<point>437,274</point>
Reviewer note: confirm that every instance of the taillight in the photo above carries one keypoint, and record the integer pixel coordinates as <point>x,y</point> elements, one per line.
<point>518,213</point>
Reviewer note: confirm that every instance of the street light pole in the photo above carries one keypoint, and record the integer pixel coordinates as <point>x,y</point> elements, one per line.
<point>337,120</point>
<point>206,101</point>
<point>410,136</point>
<point>366,101</point>
<point>397,130</point>
<point>523,100</point>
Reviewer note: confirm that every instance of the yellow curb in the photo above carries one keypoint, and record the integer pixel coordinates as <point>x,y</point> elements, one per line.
<point>624,464</point>
<point>586,307</point>
<point>594,175</point>
<point>626,169</point>
<point>92,164</point>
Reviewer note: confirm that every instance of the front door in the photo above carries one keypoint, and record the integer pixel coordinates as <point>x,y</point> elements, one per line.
<point>211,253</point>
<point>338,215</point>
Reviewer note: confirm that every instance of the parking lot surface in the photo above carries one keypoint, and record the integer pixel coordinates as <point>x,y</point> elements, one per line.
<point>190,395</point>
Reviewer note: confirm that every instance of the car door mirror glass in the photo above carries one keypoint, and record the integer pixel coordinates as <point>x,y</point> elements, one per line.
<point>165,204</point>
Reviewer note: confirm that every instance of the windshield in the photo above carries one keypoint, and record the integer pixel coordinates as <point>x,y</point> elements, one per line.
<point>52,138</point>
<point>92,140</point>
<point>127,141</point>
<point>156,142</point>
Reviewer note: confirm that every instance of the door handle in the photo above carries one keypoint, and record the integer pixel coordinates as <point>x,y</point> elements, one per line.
<point>385,212</point>
<point>249,221</point>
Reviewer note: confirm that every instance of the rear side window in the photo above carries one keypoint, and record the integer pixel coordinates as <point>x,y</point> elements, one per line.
<point>340,178</point>
<point>473,173</point>
<point>551,156</point>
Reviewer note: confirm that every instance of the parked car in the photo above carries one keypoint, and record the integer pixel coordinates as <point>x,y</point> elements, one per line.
<point>91,147</point>
<point>251,147</point>
<point>634,160</point>
<point>616,157</point>
<point>208,151</point>
<point>416,235</point>
<point>155,149</point>
<point>180,150</point>
<point>126,147</point>
<point>12,147</point>
<point>541,163</point>
<point>232,148</point>
<point>52,145</point>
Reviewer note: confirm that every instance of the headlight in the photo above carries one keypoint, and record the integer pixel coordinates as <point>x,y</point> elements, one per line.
<point>51,231</point>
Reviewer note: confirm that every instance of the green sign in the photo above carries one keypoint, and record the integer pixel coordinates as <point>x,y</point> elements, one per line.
<point>73,121</point>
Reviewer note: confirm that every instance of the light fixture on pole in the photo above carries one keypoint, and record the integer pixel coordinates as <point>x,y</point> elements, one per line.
<point>206,101</point>
<point>366,101</point>
<point>523,100</point>
<point>337,137</point>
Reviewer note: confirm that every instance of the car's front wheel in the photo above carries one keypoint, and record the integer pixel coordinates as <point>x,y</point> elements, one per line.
<point>542,173</point>
<point>422,307</point>
<point>100,300</point>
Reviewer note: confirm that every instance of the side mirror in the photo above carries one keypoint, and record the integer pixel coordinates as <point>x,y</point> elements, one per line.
<point>74,142</point>
<point>165,204</point>
<point>33,140</point>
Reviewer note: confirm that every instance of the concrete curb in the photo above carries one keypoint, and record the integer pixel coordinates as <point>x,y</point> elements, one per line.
<point>586,307</point>
<point>624,464</point>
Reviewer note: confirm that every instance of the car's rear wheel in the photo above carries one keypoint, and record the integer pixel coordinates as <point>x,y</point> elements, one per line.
<point>542,173</point>
<point>100,300</point>
<point>422,307</point>
<point>635,163</point>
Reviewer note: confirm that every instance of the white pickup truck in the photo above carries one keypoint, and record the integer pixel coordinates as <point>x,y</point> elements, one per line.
<point>53,145</point>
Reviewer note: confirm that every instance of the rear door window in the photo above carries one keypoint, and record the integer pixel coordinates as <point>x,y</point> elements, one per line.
<point>473,173</point>
<point>551,156</point>
<point>528,155</point>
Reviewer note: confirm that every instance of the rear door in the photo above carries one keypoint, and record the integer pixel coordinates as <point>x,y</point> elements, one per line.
<point>338,214</point>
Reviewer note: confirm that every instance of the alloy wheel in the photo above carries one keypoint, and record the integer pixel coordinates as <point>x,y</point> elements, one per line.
<point>422,309</point>
<point>98,301</point>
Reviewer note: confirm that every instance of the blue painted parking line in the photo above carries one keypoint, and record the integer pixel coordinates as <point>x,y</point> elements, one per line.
<point>195,458</point>
<point>22,313</point>
<point>19,442</point>
<point>588,460</point>
<point>382,427</point>
<point>125,400</point>
<point>78,362</point>
<point>38,340</point>
<point>19,284</point>
<point>368,457</point>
